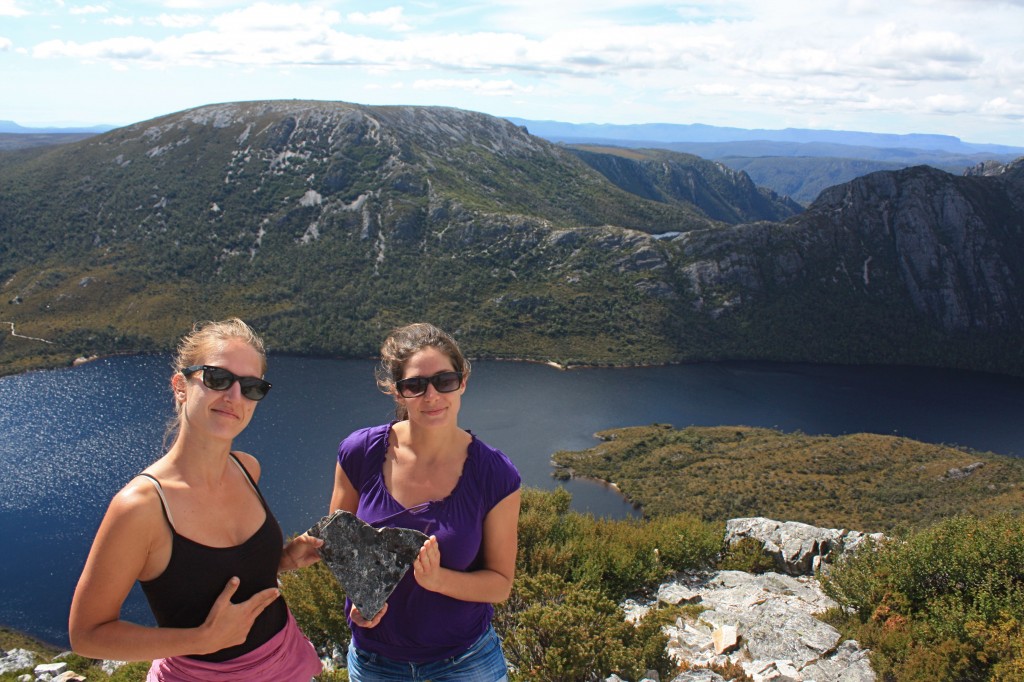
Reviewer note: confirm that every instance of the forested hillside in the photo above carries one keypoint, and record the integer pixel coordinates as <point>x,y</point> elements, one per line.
<point>325,223</point>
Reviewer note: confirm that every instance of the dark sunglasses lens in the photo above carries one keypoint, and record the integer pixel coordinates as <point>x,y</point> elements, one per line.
<point>254,389</point>
<point>218,379</point>
<point>447,382</point>
<point>410,388</point>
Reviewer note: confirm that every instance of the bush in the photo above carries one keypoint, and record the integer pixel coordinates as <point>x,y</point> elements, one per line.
<point>748,554</point>
<point>615,557</point>
<point>318,603</point>
<point>556,631</point>
<point>130,672</point>
<point>945,603</point>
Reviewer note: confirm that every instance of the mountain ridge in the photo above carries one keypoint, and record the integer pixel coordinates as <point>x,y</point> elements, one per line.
<point>704,133</point>
<point>326,223</point>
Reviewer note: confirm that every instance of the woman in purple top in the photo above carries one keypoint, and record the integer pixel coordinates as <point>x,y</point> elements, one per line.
<point>424,472</point>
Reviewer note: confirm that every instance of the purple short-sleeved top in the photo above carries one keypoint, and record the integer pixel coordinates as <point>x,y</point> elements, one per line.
<point>422,626</point>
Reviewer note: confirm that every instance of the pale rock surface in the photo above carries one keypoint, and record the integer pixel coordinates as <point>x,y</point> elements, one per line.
<point>798,548</point>
<point>16,659</point>
<point>773,615</point>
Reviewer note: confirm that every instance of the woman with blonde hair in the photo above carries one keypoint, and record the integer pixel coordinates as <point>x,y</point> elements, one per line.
<point>194,530</point>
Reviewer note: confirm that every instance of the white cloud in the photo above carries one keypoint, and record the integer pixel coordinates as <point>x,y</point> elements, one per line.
<point>913,55</point>
<point>180,20</point>
<point>9,8</point>
<point>482,87</point>
<point>948,104</point>
<point>623,60</point>
<point>113,49</point>
<point>264,16</point>
<point>5,44</point>
<point>1003,107</point>
<point>391,18</point>
<point>88,9</point>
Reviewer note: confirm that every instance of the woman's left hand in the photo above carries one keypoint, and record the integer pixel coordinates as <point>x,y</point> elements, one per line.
<point>427,566</point>
<point>302,551</point>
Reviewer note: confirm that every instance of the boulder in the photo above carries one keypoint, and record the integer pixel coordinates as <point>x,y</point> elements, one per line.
<point>797,548</point>
<point>16,659</point>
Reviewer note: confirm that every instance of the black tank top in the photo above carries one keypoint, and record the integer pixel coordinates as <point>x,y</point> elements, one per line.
<point>181,596</point>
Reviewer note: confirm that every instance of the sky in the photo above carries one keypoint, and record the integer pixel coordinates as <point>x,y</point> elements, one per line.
<point>951,67</point>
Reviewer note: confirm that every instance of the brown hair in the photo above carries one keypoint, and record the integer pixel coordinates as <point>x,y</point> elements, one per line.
<point>201,341</point>
<point>404,342</point>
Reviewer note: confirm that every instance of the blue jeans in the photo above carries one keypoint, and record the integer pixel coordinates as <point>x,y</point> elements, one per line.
<point>481,662</point>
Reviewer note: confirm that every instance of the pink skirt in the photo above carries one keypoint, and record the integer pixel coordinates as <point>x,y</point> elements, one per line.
<point>286,657</point>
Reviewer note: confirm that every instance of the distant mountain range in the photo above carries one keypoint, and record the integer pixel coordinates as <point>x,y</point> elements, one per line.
<point>325,223</point>
<point>12,127</point>
<point>671,133</point>
<point>794,162</point>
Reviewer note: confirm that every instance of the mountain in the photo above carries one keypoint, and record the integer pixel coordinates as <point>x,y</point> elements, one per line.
<point>14,136</point>
<point>12,127</point>
<point>326,223</point>
<point>704,134</point>
<point>718,191</point>
<point>12,141</point>
<point>796,163</point>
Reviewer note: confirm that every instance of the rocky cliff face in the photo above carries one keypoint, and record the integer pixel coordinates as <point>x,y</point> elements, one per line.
<point>953,244</point>
<point>720,192</point>
<point>948,249</point>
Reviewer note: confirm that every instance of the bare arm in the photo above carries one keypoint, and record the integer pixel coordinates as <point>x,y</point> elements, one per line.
<point>345,496</point>
<point>492,583</point>
<point>122,553</point>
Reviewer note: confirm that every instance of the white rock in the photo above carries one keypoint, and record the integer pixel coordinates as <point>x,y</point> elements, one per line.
<point>725,639</point>
<point>51,669</point>
<point>16,659</point>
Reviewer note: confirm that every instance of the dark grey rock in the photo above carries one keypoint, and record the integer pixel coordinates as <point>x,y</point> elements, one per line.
<point>368,562</point>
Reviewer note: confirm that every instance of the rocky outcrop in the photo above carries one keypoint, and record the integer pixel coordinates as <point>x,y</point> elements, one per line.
<point>765,623</point>
<point>797,548</point>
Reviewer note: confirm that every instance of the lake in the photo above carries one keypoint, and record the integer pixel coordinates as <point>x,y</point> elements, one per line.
<point>70,438</point>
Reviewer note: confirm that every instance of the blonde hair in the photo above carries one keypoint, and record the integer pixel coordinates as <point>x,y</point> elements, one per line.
<point>404,342</point>
<point>200,342</point>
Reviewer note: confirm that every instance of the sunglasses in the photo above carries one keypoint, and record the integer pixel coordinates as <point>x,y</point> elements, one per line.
<point>445,382</point>
<point>220,379</point>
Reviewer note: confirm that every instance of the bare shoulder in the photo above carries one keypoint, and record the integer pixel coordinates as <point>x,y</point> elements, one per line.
<point>136,506</point>
<point>251,464</point>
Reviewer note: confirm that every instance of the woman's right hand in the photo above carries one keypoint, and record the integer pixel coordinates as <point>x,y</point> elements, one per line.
<point>357,618</point>
<point>228,624</point>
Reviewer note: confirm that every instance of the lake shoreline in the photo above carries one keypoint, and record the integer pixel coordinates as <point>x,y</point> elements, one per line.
<point>73,438</point>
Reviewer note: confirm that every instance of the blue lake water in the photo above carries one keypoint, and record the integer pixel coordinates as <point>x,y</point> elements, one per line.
<point>70,438</point>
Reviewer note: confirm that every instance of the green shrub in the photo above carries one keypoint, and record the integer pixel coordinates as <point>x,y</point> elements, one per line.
<point>614,556</point>
<point>748,554</point>
<point>129,672</point>
<point>318,603</point>
<point>557,631</point>
<point>945,603</point>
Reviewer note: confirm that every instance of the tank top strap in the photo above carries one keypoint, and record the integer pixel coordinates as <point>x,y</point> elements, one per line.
<point>163,500</point>
<point>248,477</point>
